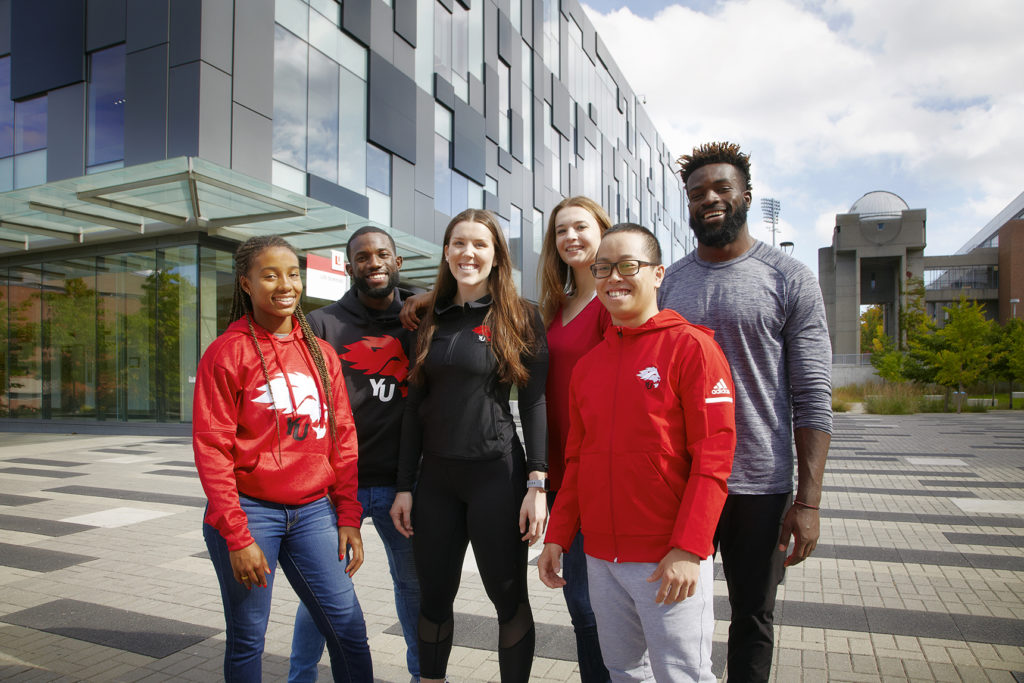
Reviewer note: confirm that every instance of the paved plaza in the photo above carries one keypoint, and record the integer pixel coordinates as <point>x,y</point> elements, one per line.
<point>919,574</point>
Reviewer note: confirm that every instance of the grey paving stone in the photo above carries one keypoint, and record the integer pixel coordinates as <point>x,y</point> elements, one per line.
<point>14,500</point>
<point>175,473</point>
<point>975,484</point>
<point>117,628</point>
<point>902,492</point>
<point>38,559</point>
<point>915,454</point>
<point>120,451</point>
<point>120,494</point>
<point>999,540</point>
<point>46,461</point>
<point>990,629</point>
<point>178,463</point>
<point>35,472</point>
<point>905,473</point>
<point>44,527</point>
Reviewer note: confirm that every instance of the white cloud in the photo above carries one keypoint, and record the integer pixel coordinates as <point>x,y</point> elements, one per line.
<point>923,94</point>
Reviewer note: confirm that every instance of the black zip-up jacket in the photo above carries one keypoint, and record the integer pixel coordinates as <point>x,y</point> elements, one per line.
<point>375,352</point>
<point>461,410</point>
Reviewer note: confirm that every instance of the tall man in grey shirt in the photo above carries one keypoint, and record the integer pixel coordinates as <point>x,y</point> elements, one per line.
<point>768,316</point>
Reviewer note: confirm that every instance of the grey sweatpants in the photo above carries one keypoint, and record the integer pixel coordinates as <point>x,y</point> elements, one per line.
<point>645,641</point>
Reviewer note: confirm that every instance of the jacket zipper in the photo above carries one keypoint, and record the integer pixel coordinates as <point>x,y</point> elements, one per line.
<point>611,448</point>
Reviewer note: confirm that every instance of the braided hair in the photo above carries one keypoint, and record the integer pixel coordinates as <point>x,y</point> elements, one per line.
<point>241,305</point>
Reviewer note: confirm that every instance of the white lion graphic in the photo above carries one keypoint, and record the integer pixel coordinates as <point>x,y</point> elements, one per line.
<point>306,393</point>
<point>650,377</point>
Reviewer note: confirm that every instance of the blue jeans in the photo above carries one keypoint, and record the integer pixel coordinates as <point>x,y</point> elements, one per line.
<point>304,540</point>
<point>577,598</point>
<point>308,644</point>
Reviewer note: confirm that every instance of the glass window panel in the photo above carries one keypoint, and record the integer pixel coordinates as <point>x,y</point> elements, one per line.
<point>460,41</point>
<point>538,231</point>
<point>30,125</point>
<point>425,45</point>
<point>515,236</point>
<point>378,170</point>
<point>474,196</point>
<point>515,15</point>
<point>287,177</point>
<point>6,109</point>
<point>174,331</point>
<point>322,125</point>
<point>504,98</point>
<point>442,41</point>
<point>290,87</point>
<point>69,339</point>
<point>30,169</point>
<point>352,131</point>
<point>106,98</point>
<point>6,174</point>
<point>293,15</point>
<point>460,193</point>
<point>379,207</point>
<point>352,55</point>
<point>442,121</point>
<point>100,168</point>
<point>491,185</point>
<point>323,35</point>
<point>216,289</point>
<point>476,40</point>
<point>328,8</point>
<point>527,69</point>
<point>24,382</point>
<point>442,176</point>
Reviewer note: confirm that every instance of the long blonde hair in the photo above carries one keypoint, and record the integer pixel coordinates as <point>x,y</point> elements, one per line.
<point>510,317</point>
<point>553,272</point>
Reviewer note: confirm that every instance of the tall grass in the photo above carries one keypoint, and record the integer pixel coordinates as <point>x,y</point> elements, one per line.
<point>894,399</point>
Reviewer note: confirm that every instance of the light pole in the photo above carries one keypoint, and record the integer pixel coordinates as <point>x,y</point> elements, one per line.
<point>1015,301</point>
<point>787,247</point>
<point>770,209</point>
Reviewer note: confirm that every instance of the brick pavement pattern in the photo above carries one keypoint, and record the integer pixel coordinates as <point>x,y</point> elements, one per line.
<point>919,573</point>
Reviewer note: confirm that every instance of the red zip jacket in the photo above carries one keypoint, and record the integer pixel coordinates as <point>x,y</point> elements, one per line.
<point>238,448</point>
<point>651,439</point>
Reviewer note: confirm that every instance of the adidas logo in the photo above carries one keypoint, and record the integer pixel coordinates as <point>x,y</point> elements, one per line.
<point>720,388</point>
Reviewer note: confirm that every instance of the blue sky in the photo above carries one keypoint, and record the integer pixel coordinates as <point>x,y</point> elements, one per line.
<point>837,98</point>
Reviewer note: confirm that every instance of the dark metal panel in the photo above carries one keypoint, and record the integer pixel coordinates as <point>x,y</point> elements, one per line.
<point>218,32</point>
<point>382,29</point>
<point>105,23</point>
<point>47,46</point>
<point>185,31</point>
<point>560,108</point>
<point>252,142</point>
<point>527,23</point>
<point>444,92</point>
<point>65,133</point>
<point>425,147</point>
<point>490,33</point>
<point>476,93</point>
<point>424,225</point>
<point>491,101</point>
<point>148,24</point>
<point>254,56</point>
<point>355,20</point>
<point>335,195</point>
<point>404,57</point>
<point>469,154</point>
<point>505,34</point>
<point>505,160</point>
<point>392,109</point>
<point>517,136</point>
<point>145,112</point>
<point>5,27</point>
<point>183,110</point>
<point>214,114</point>
<point>402,194</point>
<point>405,20</point>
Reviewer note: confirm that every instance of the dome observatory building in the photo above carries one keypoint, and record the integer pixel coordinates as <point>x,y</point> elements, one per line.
<point>876,246</point>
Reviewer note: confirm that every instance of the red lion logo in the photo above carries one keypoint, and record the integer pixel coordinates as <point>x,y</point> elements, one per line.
<point>483,333</point>
<point>382,356</point>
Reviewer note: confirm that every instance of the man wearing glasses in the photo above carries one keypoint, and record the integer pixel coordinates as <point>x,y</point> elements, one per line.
<point>651,438</point>
<point>767,313</point>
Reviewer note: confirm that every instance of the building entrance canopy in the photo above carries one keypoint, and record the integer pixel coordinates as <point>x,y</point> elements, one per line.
<point>186,194</point>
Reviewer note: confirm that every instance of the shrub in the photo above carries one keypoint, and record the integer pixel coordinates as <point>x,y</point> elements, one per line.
<point>894,399</point>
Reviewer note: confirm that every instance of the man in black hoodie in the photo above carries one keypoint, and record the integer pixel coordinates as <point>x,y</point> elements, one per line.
<point>374,349</point>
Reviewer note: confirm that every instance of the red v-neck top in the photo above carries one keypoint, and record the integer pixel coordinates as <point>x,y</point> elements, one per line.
<point>566,345</point>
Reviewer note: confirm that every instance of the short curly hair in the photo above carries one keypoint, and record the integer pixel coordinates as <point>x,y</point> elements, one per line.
<point>715,153</point>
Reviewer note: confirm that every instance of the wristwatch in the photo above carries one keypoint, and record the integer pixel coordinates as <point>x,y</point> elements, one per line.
<point>541,484</point>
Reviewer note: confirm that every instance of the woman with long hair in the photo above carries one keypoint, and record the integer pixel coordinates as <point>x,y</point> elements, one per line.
<point>275,448</point>
<point>475,483</point>
<point>576,322</point>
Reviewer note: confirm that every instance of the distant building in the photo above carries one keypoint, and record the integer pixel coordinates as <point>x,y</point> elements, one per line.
<point>141,141</point>
<point>879,245</point>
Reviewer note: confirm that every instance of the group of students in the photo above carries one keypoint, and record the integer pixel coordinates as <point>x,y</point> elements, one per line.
<point>629,433</point>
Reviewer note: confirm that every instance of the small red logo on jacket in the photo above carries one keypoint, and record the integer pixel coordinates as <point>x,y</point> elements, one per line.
<point>483,333</point>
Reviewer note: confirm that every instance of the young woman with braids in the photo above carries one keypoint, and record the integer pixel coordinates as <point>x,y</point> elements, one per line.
<point>275,447</point>
<point>475,485</point>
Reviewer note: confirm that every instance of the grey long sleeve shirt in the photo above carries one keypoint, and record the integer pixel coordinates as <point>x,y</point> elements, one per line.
<point>769,318</point>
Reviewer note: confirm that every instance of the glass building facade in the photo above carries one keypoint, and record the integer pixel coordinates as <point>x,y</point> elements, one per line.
<point>138,146</point>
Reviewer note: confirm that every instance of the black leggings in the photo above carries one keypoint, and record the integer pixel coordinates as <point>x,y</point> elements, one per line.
<point>460,501</point>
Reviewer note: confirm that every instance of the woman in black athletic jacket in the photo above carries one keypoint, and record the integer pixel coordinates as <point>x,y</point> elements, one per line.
<point>475,482</point>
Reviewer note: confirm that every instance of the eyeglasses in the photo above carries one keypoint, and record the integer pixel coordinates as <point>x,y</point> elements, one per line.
<point>630,266</point>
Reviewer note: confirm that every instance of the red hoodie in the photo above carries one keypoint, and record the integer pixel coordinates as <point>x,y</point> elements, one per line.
<point>651,439</point>
<point>239,449</point>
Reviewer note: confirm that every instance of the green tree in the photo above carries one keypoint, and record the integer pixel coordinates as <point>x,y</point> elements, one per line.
<point>888,360</point>
<point>961,352</point>
<point>872,327</point>
<point>1009,357</point>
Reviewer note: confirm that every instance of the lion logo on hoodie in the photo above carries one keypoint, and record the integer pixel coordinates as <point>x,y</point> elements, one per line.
<point>279,395</point>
